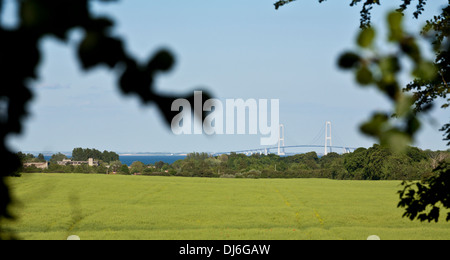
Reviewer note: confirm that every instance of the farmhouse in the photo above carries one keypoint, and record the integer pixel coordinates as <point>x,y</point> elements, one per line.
<point>39,165</point>
<point>89,162</point>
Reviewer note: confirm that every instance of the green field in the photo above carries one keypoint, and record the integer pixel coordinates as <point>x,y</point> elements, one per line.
<point>54,206</point>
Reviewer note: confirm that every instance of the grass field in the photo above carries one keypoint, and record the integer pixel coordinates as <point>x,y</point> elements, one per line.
<point>54,206</point>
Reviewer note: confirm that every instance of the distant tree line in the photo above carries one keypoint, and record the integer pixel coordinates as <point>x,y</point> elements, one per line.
<point>80,154</point>
<point>29,158</point>
<point>114,167</point>
<point>105,158</point>
<point>375,163</point>
<point>104,167</point>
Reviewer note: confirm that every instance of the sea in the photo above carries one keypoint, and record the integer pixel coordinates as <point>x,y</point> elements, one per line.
<point>146,159</point>
<point>150,159</point>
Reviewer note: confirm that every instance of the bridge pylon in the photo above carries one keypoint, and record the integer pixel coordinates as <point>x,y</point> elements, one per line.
<point>281,143</point>
<point>328,138</point>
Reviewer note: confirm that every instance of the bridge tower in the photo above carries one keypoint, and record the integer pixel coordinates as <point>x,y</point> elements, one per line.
<point>328,138</point>
<point>281,143</point>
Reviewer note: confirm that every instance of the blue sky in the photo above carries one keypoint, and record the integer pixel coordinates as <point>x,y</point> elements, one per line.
<point>234,49</point>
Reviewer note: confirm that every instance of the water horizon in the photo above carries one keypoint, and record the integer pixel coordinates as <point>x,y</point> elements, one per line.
<point>146,159</point>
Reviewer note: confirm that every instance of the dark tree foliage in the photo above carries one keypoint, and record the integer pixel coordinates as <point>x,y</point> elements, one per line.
<point>20,58</point>
<point>57,158</point>
<point>426,92</point>
<point>429,86</point>
<point>368,6</point>
<point>80,154</point>
<point>420,7</point>
<point>423,200</point>
<point>375,68</point>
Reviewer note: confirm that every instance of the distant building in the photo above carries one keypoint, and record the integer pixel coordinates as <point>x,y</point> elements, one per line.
<point>39,165</point>
<point>89,162</point>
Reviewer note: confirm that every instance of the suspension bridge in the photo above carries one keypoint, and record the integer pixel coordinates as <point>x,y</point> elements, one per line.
<point>282,147</point>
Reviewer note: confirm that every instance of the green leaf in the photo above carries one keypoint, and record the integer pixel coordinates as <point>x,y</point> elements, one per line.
<point>425,70</point>
<point>163,60</point>
<point>404,105</point>
<point>96,49</point>
<point>410,47</point>
<point>395,20</point>
<point>390,65</point>
<point>413,125</point>
<point>376,125</point>
<point>396,139</point>
<point>366,37</point>
<point>349,60</point>
<point>364,76</point>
